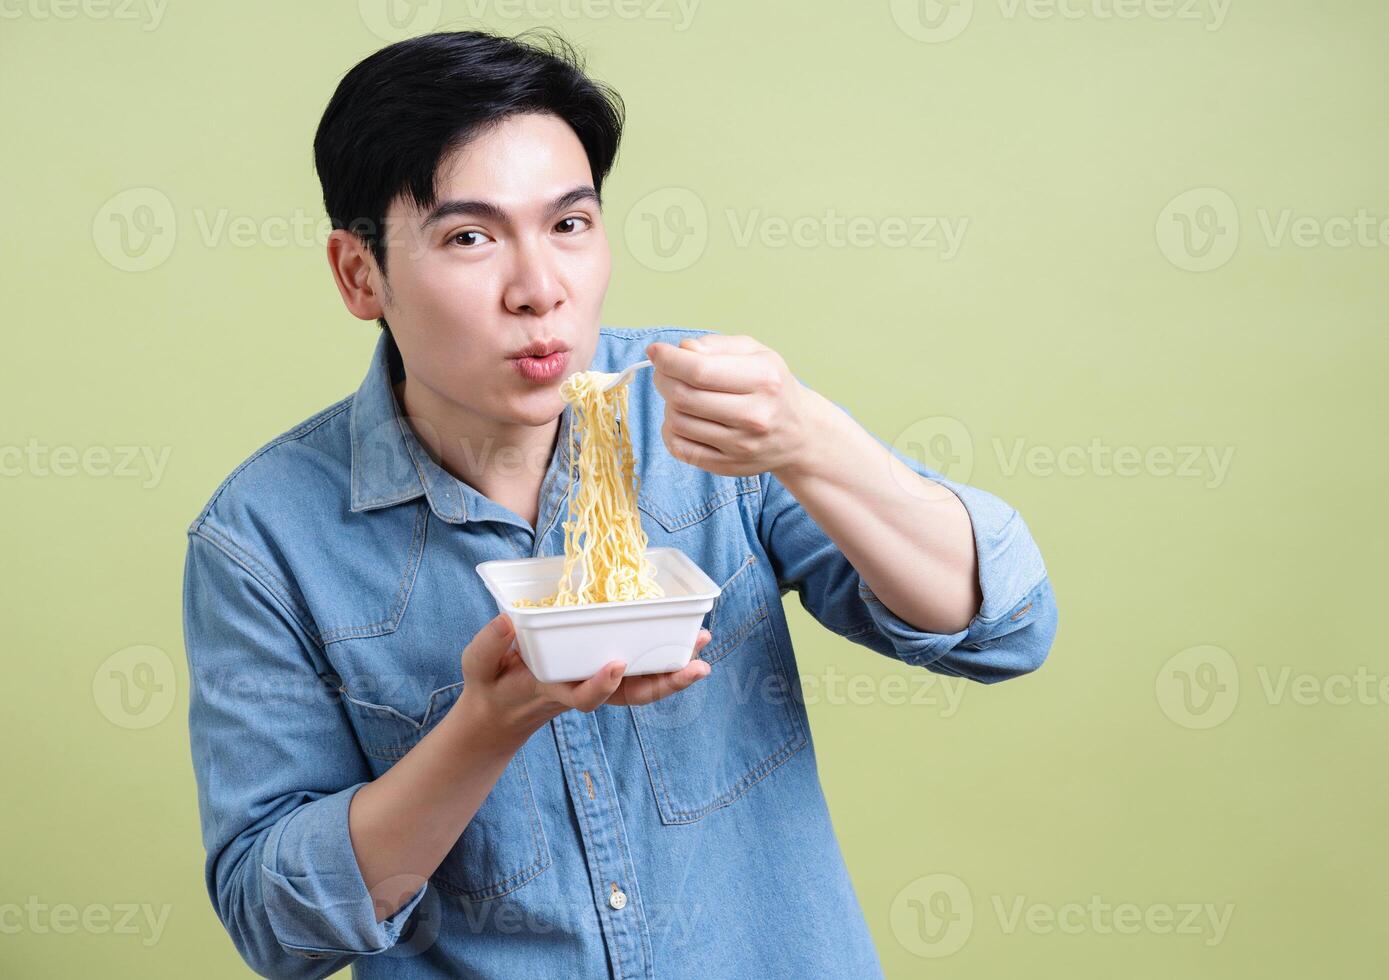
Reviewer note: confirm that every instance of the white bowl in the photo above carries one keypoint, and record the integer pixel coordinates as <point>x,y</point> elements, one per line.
<point>570,643</point>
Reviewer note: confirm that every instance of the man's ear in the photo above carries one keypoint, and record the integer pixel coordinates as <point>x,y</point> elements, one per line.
<point>357,275</point>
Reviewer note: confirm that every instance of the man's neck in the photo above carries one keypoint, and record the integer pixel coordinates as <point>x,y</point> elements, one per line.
<point>505,463</point>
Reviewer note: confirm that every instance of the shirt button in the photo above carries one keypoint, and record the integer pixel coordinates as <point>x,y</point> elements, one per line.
<point>618,898</point>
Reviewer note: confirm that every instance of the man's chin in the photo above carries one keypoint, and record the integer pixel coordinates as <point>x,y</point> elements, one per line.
<point>538,407</point>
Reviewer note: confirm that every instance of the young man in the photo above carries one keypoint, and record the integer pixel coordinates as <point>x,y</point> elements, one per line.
<point>368,796</point>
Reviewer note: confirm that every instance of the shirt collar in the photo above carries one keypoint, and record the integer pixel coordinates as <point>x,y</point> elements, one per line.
<point>390,466</point>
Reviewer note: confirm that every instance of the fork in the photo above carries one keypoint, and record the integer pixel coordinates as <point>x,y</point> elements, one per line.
<point>611,380</point>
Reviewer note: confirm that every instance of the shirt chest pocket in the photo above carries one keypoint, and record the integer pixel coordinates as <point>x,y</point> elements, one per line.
<point>708,745</point>
<point>504,845</point>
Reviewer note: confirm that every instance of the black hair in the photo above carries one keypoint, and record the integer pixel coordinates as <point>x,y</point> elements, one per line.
<point>396,115</point>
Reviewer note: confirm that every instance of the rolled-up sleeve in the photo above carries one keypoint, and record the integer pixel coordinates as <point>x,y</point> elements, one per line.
<point>276,764</point>
<point>1012,632</point>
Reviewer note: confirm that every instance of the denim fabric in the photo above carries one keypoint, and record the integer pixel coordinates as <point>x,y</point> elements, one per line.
<point>329,590</point>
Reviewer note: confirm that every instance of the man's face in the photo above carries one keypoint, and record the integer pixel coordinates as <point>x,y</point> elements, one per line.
<point>471,287</point>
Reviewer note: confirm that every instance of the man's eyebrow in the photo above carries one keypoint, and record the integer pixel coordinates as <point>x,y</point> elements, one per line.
<point>490,212</point>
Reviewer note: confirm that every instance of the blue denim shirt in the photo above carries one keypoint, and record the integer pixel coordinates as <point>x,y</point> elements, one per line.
<point>329,590</point>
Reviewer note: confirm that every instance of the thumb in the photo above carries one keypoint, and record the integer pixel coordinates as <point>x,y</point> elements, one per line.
<point>492,642</point>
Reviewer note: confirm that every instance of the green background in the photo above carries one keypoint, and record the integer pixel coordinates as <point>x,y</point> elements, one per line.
<point>1188,741</point>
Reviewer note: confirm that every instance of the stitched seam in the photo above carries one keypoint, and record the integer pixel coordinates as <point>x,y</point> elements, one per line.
<point>385,711</point>
<point>425,484</point>
<point>387,498</point>
<point>245,560</point>
<point>581,814</point>
<point>753,776</point>
<point>797,738</point>
<point>503,887</point>
<point>674,522</point>
<point>724,646</point>
<point>543,858</point>
<point>758,615</point>
<point>868,596</point>
<point>417,539</point>
<point>298,432</point>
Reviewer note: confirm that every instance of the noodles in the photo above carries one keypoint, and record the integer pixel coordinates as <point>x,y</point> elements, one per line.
<point>603,535</point>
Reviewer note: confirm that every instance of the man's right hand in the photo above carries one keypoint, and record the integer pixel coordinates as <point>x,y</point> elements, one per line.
<point>498,684</point>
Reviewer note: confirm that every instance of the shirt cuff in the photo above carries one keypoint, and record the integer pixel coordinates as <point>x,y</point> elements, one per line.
<point>1015,595</point>
<point>988,650</point>
<point>315,898</point>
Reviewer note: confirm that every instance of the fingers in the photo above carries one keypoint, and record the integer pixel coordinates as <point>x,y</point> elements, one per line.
<point>608,686</point>
<point>724,407</point>
<point>652,687</point>
<point>588,695</point>
<point>726,364</point>
<point>487,651</point>
<point>645,688</point>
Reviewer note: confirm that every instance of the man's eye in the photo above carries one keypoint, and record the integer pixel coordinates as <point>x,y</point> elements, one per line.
<point>461,237</point>
<point>571,220</point>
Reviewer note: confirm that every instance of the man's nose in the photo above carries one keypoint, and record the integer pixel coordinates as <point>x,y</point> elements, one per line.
<point>535,286</point>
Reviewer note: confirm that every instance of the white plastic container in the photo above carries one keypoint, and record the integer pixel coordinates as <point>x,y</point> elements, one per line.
<point>571,643</point>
